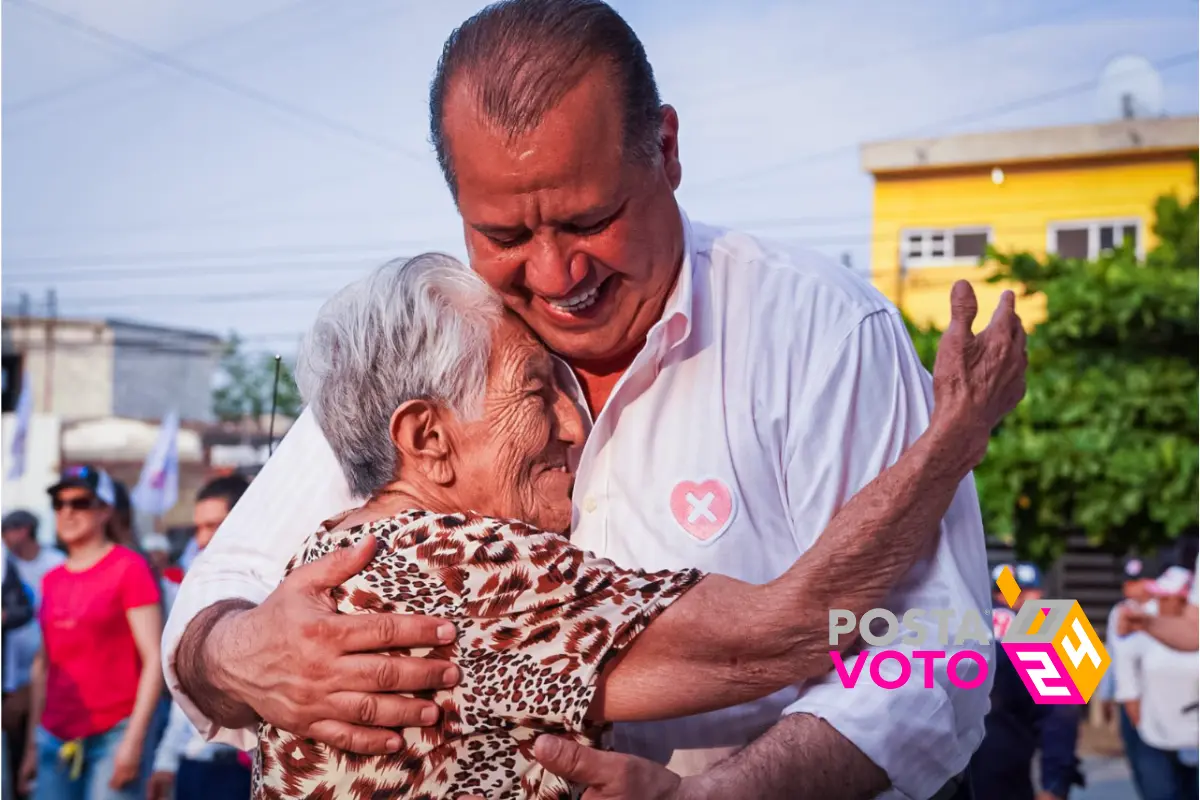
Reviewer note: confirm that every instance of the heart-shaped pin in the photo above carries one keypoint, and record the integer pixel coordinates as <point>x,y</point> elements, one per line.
<point>703,509</point>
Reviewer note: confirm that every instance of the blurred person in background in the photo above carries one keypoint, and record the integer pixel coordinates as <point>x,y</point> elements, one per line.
<point>1016,726</point>
<point>16,612</point>
<point>1133,589</point>
<point>158,553</point>
<point>185,762</point>
<point>98,676</point>
<point>1159,690</point>
<point>32,562</point>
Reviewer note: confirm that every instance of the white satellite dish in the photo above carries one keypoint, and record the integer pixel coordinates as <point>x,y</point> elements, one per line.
<point>1129,88</point>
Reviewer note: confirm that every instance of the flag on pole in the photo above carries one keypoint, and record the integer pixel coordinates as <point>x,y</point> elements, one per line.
<point>16,467</point>
<point>157,489</point>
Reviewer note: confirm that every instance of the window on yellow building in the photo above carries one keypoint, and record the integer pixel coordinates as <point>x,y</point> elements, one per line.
<point>1089,239</point>
<point>943,247</point>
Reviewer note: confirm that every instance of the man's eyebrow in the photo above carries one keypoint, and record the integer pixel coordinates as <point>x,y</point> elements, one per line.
<point>485,228</point>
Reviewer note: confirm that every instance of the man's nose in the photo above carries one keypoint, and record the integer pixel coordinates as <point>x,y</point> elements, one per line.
<point>549,272</point>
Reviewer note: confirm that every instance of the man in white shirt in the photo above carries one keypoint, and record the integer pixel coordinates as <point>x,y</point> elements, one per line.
<point>185,765</point>
<point>741,394</point>
<point>1159,690</point>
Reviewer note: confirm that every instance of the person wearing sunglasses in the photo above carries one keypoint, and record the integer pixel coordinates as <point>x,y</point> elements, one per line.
<point>98,676</point>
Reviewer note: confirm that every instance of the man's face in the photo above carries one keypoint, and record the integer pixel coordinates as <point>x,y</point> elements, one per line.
<point>208,516</point>
<point>17,537</point>
<point>582,243</point>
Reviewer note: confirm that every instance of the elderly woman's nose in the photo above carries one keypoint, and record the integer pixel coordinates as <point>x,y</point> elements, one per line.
<point>569,419</point>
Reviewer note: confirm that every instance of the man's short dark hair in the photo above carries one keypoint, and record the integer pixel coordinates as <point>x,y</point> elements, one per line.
<point>229,488</point>
<point>21,519</point>
<point>523,56</point>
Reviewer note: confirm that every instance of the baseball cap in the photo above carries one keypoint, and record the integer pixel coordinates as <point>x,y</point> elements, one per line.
<point>156,543</point>
<point>19,519</point>
<point>1027,575</point>
<point>95,480</point>
<point>1174,581</point>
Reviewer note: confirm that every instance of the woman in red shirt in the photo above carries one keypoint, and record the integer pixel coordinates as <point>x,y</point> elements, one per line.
<point>98,676</point>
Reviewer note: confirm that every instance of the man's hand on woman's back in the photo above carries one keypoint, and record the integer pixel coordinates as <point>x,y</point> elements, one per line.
<point>302,666</point>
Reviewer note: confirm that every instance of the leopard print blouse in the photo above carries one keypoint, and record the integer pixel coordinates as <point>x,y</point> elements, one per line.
<point>537,621</point>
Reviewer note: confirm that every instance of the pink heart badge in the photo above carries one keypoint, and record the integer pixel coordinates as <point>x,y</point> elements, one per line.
<point>703,509</point>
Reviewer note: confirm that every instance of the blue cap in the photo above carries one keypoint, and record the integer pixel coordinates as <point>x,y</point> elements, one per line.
<point>1027,574</point>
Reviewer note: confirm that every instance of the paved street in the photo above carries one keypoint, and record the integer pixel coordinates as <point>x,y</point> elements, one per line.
<point>1107,778</point>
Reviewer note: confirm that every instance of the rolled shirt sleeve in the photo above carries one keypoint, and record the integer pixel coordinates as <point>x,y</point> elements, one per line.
<point>871,401</point>
<point>299,487</point>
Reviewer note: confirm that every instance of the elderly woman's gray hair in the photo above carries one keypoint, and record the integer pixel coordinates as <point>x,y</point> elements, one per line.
<point>419,328</point>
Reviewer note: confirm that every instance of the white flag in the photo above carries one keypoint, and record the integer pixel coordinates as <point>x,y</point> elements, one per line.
<point>157,489</point>
<point>16,467</point>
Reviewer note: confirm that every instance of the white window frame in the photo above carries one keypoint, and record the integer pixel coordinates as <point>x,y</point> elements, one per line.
<point>925,260</point>
<point>1093,228</point>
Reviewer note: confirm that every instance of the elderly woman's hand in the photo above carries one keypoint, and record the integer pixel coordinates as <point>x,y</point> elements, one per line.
<point>978,379</point>
<point>305,668</point>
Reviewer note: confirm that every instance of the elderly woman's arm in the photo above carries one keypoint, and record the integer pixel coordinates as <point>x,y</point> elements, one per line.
<point>727,642</point>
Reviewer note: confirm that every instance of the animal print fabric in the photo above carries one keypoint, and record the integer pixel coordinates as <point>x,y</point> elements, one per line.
<point>537,620</point>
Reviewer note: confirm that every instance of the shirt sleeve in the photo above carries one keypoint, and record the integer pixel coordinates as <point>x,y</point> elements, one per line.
<point>174,742</point>
<point>297,489</point>
<point>872,400</point>
<point>139,587</point>
<point>554,640</point>
<point>1127,668</point>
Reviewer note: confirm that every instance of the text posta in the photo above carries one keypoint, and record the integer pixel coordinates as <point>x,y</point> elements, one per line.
<point>926,636</point>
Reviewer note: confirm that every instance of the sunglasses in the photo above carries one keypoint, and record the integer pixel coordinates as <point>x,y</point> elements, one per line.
<point>77,503</point>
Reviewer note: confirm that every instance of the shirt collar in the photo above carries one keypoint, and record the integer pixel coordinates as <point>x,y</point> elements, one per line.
<point>676,321</point>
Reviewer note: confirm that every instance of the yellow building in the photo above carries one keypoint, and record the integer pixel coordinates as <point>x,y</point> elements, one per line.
<point>1073,190</point>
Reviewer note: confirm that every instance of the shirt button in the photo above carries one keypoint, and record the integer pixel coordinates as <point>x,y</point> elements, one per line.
<point>589,504</point>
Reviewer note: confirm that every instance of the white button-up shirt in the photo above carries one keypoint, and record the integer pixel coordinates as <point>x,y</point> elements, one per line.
<point>775,386</point>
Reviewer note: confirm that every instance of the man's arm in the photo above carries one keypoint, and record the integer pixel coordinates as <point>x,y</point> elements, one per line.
<point>1178,633</point>
<point>860,414</point>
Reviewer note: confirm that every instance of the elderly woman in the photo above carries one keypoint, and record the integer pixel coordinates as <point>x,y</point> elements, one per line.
<point>450,416</point>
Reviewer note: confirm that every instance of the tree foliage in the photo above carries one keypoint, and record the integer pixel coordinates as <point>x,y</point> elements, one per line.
<point>246,383</point>
<point>1105,442</point>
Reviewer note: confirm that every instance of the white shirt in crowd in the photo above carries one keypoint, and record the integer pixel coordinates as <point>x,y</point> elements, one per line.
<point>22,644</point>
<point>1164,680</point>
<point>774,387</point>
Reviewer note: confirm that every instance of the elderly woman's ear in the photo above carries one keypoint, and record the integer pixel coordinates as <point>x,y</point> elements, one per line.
<point>419,431</point>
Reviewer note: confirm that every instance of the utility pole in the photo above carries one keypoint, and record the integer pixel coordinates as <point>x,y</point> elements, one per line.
<point>48,383</point>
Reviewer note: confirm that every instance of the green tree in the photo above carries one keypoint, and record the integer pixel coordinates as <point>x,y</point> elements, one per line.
<point>1105,442</point>
<point>246,382</point>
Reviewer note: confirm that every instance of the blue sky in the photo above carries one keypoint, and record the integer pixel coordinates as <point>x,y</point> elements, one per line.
<point>226,165</point>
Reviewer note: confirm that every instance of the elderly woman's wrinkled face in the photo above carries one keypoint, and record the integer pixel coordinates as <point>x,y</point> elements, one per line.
<point>514,461</point>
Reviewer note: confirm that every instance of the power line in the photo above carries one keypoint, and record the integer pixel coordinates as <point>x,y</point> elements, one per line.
<point>170,62</point>
<point>940,44</point>
<point>962,119</point>
<point>18,107</point>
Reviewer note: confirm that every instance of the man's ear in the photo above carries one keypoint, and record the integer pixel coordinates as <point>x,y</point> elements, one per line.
<point>668,142</point>
<point>418,429</point>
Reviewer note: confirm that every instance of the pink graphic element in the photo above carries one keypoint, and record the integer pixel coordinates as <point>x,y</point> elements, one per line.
<point>1043,673</point>
<point>905,669</point>
<point>848,680</point>
<point>1002,618</point>
<point>952,669</point>
<point>929,657</point>
<point>702,509</point>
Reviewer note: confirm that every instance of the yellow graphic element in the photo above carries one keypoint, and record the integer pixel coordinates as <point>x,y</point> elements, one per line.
<point>1008,586</point>
<point>1082,652</point>
<point>1037,623</point>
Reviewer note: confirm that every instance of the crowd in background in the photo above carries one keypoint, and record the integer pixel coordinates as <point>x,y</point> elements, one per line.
<point>86,715</point>
<point>86,712</point>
